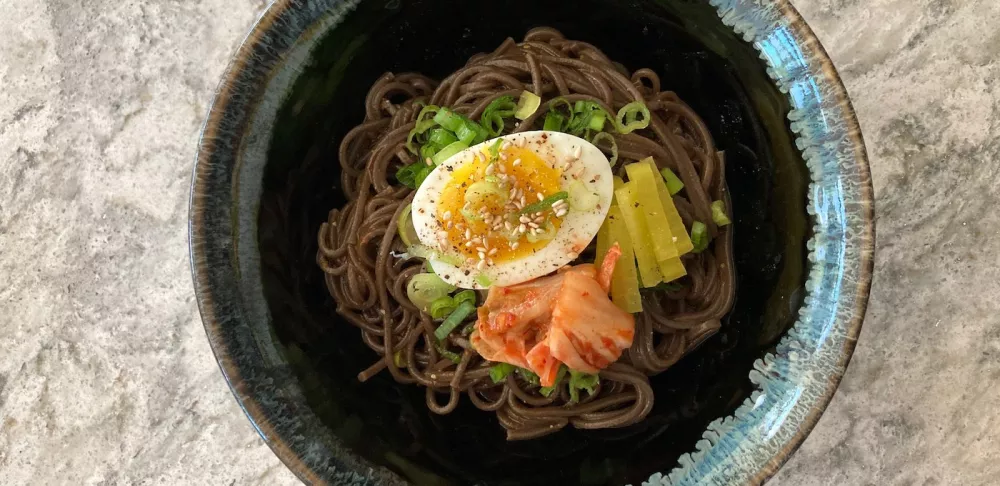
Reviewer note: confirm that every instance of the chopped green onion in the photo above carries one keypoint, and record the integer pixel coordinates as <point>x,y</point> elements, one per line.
<point>465,296</point>
<point>581,197</point>
<point>614,145</point>
<point>544,203</point>
<point>449,119</point>
<point>699,236</point>
<point>404,227</point>
<point>480,192</point>
<point>441,137</point>
<point>527,105</point>
<point>449,355</point>
<point>581,381</point>
<point>495,151</point>
<point>597,121</point>
<point>454,319</point>
<point>446,153</point>
<point>421,125</point>
<point>413,175</point>
<point>493,116</point>
<point>629,120</point>
<point>441,307</point>
<point>484,280</point>
<point>528,375</point>
<point>427,151</point>
<point>669,286</point>
<point>546,391</point>
<point>674,183</point>
<point>553,122</point>
<point>466,134</point>
<point>719,213</point>
<point>499,371</point>
<point>425,288</point>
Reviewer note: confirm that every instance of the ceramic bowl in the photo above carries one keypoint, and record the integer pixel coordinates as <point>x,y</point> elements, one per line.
<point>730,413</point>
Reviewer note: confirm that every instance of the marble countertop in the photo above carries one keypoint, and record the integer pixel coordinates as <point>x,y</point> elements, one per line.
<point>105,373</point>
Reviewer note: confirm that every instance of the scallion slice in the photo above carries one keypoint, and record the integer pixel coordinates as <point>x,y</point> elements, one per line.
<point>674,183</point>
<point>545,203</point>
<point>446,153</point>
<point>614,145</point>
<point>699,236</point>
<point>553,122</point>
<point>454,319</point>
<point>493,116</point>
<point>633,116</point>
<point>719,213</point>
<point>527,105</point>
<point>441,137</point>
<point>499,371</point>
<point>449,119</point>
<point>441,307</point>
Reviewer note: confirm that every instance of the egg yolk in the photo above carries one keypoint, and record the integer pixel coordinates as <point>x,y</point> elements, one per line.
<point>486,207</point>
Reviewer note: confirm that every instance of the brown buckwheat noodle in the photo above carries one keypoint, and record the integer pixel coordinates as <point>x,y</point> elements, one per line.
<point>358,244</point>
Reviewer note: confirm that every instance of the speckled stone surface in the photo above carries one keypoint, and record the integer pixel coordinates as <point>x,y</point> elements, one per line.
<point>105,373</point>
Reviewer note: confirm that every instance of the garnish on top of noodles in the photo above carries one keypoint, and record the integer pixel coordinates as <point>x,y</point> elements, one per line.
<point>563,319</point>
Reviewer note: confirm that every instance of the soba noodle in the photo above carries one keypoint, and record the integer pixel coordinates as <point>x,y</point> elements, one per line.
<point>358,246</point>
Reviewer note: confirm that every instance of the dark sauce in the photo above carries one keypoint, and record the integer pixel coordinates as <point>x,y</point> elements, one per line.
<point>695,55</point>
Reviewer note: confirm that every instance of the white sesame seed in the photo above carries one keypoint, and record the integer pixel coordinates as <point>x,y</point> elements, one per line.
<point>517,162</point>
<point>468,233</point>
<point>560,213</point>
<point>533,225</point>
<point>523,201</point>
<point>446,216</point>
<point>481,265</point>
<point>577,152</point>
<point>514,245</point>
<point>505,145</point>
<point>572,255</point>
<point>477,240</point>
<point>449,225</point>
<point>428,161</point>
<point>468,244</point>
<point>482,255</point>
<point>540,196</point>
<point>490,169</point>
<point>522,228</point>
<point>503,169</point>
<point>524,219</point>
<point>540,219</point>
<point>489,261</point>
<point>507,226</point>
<point>443,235</point>
<point>493,251</point>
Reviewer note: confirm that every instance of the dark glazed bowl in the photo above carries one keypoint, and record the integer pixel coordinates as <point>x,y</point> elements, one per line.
<point>730,413</point>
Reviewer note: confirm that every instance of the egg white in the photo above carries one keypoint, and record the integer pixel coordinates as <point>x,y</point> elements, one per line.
<point>576,231</point>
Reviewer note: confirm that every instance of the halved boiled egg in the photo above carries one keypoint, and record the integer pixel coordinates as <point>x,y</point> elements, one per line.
<point>513,208</point>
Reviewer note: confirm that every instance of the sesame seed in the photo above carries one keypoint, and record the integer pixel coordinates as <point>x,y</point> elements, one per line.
<point>446,216</point>
<point>468,233</point>
<point>481,265</point>
<point>443,235</point>
<point>428,161</point>
<point>490,169</point>
<point>482,255</point>
<point>449,225</point>
<point>523,202</point>
<point>540,196</point>
<point>493,251</point>
<point>505,145</point>
<point>577,152</point>
<point>524,219</point>
<point>514,245</point>
<point>517,162</point>
<point>489,261</point>
<point>503,170</point>
<point>572,255</point>
<point>468,244</point>
<point>540,219</point>
<point>477,240</point>
<point>533,225</point>
<point>522,228</point>
<point>507,225</point>
<point>560,213</point>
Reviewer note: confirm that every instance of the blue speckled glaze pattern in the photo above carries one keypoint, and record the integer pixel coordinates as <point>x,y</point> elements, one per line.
<point>797,381</point>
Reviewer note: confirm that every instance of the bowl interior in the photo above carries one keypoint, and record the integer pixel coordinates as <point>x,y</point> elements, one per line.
<point>714,71</point>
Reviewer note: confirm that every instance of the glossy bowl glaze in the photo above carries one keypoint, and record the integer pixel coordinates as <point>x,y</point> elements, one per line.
<point>730,413</point>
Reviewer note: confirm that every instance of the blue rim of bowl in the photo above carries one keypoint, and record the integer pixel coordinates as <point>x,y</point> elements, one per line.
<point>794,384</point>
